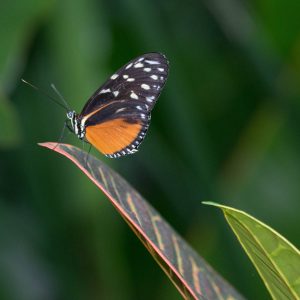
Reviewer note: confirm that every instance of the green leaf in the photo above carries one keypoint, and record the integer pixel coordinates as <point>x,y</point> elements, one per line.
<point>275,258</point>
<point>190,274</point>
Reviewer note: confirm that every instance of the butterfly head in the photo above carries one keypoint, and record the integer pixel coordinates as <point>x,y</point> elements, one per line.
<point>74,124</point>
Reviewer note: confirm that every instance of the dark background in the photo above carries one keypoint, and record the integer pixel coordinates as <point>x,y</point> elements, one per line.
<point>226,129</point>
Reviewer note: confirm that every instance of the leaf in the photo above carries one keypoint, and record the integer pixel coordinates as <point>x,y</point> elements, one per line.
<point>275,258</point>
<point>190,274</point>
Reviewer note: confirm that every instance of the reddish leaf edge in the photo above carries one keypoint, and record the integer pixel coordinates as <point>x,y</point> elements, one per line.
<point>55,147</point>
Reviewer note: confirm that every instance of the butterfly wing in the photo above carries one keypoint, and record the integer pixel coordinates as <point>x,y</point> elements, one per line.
<point>117,116</point>
<point>142,78</point>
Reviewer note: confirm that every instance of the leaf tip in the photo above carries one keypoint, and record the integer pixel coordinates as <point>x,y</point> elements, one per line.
<point>49,145</point>
<point>211,203</point>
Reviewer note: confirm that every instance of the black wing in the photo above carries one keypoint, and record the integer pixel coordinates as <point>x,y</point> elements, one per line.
<point>140,79</point>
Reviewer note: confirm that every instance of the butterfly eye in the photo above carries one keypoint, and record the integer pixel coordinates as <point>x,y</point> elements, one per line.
<point>70,114</point>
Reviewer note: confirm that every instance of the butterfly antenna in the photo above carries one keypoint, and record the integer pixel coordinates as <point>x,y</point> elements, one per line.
<point>45,94</point>
<point>60,96</point>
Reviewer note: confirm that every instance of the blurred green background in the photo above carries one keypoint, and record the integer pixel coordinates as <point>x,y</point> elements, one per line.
<point>226,128</point>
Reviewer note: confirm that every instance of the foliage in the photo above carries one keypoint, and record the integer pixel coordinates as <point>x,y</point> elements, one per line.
<point>226,127</point>
<point>275,258</point>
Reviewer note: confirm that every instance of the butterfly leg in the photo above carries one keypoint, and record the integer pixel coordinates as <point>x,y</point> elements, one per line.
<point>61,135</point>
<point>87,155</point>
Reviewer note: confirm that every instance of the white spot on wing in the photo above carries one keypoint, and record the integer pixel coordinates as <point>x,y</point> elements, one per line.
<point>133,95</point>
<point>131,151</point>
<point>116,93</point>
<point>125,76</point>
<point>155,77</point>
<point>138,65</point>
<point>141,58</point>
<point>160,69</point>
<point>105,91</point>
<point>113,77</point>
<point>129,66</point>
<point>145,86</point>
<point>150,99</point>
<point>152,62</point>
<point>147,69</point>
<point>130,79</point>
<point>139,107</point>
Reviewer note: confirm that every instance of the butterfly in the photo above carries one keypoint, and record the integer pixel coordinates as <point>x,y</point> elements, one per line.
<point>116,117</point>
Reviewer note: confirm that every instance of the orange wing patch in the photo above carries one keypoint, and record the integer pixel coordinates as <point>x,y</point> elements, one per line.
<point>113,136</point>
